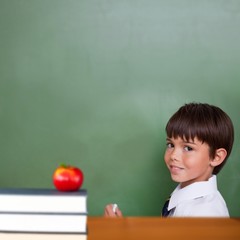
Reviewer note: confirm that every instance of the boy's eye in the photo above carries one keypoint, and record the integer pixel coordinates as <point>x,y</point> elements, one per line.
<point>169,145</point>
<point>187,148</point>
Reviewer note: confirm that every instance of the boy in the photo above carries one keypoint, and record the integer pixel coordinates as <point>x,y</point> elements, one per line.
<point>199,142</point>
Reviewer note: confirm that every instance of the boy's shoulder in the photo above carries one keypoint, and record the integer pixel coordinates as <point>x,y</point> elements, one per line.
<point>212,205</point>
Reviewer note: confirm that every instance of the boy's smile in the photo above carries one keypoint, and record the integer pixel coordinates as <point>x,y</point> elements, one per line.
<point>188,161</point>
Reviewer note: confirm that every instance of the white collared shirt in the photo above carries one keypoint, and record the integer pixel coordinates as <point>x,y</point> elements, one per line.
<point>200,199</point>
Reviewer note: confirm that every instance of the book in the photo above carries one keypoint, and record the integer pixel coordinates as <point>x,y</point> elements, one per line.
<point>43,200</point>
<point>43,222</point>
<point>43,211</point>
<point>42,236</point>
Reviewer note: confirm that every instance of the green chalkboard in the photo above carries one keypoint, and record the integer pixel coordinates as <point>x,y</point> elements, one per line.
<point>92,83</point>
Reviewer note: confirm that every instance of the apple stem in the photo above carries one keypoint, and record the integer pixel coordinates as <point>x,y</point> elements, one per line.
<point>63,165</point>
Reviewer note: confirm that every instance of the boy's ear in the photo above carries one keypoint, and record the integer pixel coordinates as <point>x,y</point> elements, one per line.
<point>220,156</point>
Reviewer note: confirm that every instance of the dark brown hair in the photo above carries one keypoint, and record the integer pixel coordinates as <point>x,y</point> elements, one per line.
<point>208,123</point>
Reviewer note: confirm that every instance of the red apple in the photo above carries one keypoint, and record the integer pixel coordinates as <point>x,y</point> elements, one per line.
<point>68,178</point>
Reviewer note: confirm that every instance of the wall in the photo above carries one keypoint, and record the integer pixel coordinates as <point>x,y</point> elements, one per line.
<point>93,83</point>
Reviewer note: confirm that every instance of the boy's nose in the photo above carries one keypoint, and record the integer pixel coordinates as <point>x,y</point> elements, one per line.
<point>175,155</point>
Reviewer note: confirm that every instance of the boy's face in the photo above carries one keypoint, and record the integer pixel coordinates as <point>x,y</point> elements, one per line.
<point>188,161</point>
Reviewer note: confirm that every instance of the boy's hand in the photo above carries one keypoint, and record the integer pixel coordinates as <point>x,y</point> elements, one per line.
<point>109,211</point>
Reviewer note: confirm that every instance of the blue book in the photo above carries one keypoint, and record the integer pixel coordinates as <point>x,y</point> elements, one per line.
<point>43,201</point>
<point>43,211</point>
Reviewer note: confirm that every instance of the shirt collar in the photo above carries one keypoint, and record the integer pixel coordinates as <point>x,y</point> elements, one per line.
<point>195,190</point>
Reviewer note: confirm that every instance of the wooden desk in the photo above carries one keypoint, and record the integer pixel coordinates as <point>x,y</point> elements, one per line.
<point>154,228</point>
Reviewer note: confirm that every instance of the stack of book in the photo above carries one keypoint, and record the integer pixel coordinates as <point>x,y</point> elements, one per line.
<point>43,214</point>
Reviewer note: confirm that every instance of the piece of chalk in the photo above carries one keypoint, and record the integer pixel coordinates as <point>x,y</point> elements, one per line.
<point>114,208</point>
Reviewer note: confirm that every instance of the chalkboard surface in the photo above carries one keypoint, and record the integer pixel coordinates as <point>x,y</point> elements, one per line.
<point>93,83</point>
